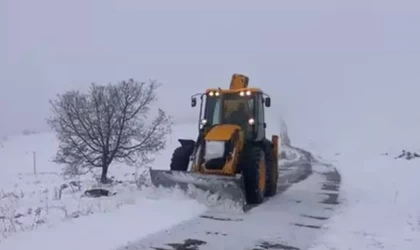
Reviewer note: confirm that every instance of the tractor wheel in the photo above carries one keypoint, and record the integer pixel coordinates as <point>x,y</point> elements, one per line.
<point>272,174</point>
<point>180,159</point>
<point>254,174</point>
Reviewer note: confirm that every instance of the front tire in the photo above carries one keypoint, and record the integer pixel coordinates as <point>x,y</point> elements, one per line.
<point>254,174</point>
<point>180,159</point>
<point>272,173</point>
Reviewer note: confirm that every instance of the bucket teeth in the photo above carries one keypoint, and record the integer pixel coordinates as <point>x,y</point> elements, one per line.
<point>230,187</point>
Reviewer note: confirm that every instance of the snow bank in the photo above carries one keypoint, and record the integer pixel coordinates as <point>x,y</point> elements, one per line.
<point>112,229</point>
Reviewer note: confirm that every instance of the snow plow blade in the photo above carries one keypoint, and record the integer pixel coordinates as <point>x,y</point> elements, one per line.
<point>226,187</point>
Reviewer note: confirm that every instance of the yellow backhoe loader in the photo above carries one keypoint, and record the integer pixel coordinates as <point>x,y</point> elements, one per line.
<point>232,155</point>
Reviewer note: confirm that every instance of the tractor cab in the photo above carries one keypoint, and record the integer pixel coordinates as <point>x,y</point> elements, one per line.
<point>238,105</point>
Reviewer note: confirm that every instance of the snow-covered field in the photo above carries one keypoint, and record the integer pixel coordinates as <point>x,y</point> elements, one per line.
<point>38,204</point>
<point>379,202</point>
<point>380,205</point>
<point>41,205</point>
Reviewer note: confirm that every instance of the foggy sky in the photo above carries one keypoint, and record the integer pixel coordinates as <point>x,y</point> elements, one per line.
<point>326,64</point>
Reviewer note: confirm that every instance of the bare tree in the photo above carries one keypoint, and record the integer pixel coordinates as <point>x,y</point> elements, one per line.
<point>108,123</point>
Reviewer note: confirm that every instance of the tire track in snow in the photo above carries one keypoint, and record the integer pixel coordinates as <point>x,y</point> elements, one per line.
<point>308,193</point>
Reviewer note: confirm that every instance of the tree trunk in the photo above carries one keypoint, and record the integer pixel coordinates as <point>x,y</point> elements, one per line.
<point>105,166</point>
<point>104,176</point>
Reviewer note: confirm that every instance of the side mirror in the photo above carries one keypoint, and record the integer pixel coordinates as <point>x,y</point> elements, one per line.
<point>267,102</point>
<point>193,102</point>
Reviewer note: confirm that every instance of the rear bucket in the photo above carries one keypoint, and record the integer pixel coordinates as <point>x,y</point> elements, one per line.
<point>228,187</point>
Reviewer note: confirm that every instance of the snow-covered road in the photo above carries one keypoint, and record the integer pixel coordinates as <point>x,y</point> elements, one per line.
<point>307,196</point>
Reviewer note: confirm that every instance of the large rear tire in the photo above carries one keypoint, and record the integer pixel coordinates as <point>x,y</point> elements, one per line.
<point>254,172</point>
<point>272,173</point>
<point>180,159</point>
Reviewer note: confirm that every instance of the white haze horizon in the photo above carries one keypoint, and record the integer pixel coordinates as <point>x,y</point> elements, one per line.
<point>331,67</point>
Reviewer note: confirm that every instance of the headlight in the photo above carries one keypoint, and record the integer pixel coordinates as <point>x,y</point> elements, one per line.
<point>243,93</point>
<point>203,123</point>
<point>251,121</point>
<point>214,150</point>
<point>214,93</point>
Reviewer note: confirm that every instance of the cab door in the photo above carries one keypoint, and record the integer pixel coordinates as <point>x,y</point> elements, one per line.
<point>260,117</point>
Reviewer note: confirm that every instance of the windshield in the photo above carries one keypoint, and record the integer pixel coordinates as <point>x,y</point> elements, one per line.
<point>229,109</point>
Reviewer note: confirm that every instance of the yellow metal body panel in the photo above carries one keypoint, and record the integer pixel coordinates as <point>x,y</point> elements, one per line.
<point>275,141</point>
<point>221,132</point>
<point>237,84</point>
<point>239,81</point>
<point>231,164</point>
<point>275,155</point>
